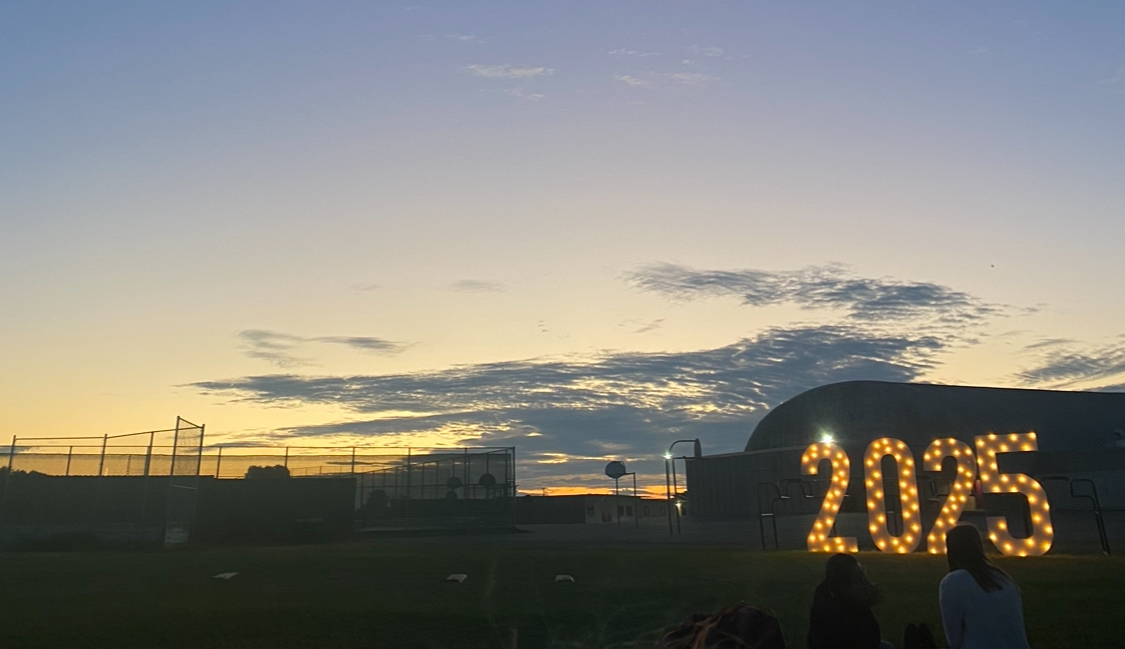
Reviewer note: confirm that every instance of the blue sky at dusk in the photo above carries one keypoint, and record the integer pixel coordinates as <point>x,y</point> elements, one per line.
<point>584,229</point>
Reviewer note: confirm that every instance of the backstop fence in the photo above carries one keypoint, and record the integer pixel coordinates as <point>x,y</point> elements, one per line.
<point>130,477</point>
<point>134,487</point>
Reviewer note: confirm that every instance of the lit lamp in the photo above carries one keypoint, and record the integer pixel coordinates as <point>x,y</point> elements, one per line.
<point>1042,533</point>
<point>670,487</point>
<point>818,539</point>
<point>959,492</point>
<point>877,498</point>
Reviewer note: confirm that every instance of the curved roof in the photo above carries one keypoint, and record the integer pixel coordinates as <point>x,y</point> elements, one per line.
<point>856,412</point>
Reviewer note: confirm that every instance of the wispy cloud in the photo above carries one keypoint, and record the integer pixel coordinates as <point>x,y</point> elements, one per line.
<point>667,78</point>
<point>272,346</point>
<point>652,326</point>
<point>507,71</point>
<point>620,403</point>
<point>821,287</point>
<point>691,78</point>
<point>978,51</point>
<point>366,288</point>
<point>631,80</point>
<point>706,51</point>
<point>569,415</point>
<point>1065,363</point>
<point>476,286</point>
<point>518,92</point>
<point>627,52</point>
<point>464,38</point>
<point>363,343</point>
<point>280,349</point>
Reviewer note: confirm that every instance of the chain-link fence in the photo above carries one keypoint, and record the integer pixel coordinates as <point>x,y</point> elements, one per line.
<point>399,488</point>
<point>153,478</point>
<point>132,487</point>
<point>183,481</point>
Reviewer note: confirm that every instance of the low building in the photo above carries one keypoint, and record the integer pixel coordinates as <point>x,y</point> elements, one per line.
<point>589,508</point>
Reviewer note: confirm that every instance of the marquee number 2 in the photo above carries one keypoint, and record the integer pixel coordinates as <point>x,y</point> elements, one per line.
<point>819,539</point>
<point>959,491</point>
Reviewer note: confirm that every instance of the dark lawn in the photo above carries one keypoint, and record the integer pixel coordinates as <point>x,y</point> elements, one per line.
<point>392,595</point>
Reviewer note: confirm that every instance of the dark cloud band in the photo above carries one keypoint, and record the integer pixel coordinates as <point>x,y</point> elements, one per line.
<point>1063,363</point>
<point>280,348</point>
<point>820,287</point>
<point>622,405</point>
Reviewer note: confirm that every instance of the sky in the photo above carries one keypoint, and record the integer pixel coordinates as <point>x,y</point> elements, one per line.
<point>584,229</point>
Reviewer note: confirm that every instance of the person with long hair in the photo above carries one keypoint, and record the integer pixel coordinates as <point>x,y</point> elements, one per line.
<point>841,616</point>
<point>981,606</point>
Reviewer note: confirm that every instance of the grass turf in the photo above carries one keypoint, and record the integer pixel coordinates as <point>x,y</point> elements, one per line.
<point>392,595</point>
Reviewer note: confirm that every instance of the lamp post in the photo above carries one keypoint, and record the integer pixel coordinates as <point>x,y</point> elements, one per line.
<point>616,470</point>
<point>668,490</point>
<point>670,479</point>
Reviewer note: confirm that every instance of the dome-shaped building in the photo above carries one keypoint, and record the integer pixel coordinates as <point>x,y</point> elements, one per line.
<point>1080,436</point>
<point>856,412</point>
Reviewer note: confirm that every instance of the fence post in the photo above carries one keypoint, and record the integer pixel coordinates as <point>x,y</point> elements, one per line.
<point>199,455</point>
<point>286,457</point>
<point>69,453</point>
<point>7,481</point>
<point>148,453</point>
<point>101,462</point>
<point>406,505</point>
<point>144,485</point>
<point>175,448</point>
<point>218,463</point>
<point>353,460</point>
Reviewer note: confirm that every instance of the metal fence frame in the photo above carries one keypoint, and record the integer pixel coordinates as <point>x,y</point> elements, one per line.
<point>406,473</point>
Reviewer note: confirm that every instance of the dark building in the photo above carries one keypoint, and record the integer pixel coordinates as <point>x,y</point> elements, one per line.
<point>1080,455</point>
<point>589,508</point>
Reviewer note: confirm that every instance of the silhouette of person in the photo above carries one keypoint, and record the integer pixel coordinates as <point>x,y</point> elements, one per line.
<point>841,617</point>
<point>980,603</point>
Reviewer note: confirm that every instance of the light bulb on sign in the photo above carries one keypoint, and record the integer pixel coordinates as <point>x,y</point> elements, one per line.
<point>959,491</point>
<point>877,504</point>
<point>1042,534</point>
<point>841,470</point>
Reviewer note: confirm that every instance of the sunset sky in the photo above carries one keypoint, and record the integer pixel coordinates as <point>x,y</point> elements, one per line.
<point>585,229</point>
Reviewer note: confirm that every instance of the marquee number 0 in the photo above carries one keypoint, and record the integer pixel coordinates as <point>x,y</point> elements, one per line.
<point>911,514</point>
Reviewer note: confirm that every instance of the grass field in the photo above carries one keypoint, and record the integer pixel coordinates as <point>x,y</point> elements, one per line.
<point>392,594</point>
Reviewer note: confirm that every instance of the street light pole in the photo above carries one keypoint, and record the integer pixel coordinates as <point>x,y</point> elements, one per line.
<point>617,502</point>
<point>668,490</point>
<point>675,488</point>
<point>636,504</point>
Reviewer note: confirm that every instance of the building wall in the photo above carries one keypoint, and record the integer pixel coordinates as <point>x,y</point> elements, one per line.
<point>1081,436</point>
<point>587,508</point>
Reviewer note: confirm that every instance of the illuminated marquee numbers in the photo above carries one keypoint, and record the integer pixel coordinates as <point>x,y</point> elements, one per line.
<point>959,492</point>
<point>988,446</point>
<point>877,498</point>
<point>818,539</point>
<point>1042,533</point>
